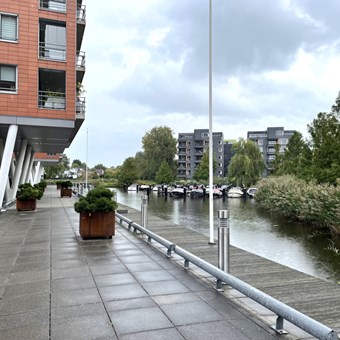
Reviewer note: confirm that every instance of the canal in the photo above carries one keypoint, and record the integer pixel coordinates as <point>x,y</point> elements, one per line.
<point>251,229</point>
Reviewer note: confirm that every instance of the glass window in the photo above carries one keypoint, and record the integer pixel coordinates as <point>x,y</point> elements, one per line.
<point>8,78</point>
<point>52,40</point>
<point>8,27</point>
<point>54,5</point>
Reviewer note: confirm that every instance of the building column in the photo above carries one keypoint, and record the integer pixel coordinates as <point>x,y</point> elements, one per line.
<point>27,160</point>
<point>18,169</point>
<point>37,173</point>
<point>7,159</point>
<point>29,177</point>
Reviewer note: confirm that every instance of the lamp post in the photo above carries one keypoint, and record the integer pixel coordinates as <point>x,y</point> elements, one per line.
<point>211,170</point>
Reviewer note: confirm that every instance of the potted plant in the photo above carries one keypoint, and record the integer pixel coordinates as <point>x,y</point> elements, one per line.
<point>97,214</point>
<point>65,188</point>
<point>27,196</point>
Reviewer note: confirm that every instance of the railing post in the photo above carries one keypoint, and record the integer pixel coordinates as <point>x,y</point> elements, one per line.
<point>144,207</point>
<point>223,240</point>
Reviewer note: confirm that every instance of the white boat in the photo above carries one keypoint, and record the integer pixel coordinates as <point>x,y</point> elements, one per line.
<point>177,192</point>
<point>133,187</point>
<point>144,187</point>
<point>235,192</point>
<point>251,192</point>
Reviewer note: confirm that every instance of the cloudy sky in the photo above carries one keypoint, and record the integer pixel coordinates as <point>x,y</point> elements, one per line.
<point>275,63</point>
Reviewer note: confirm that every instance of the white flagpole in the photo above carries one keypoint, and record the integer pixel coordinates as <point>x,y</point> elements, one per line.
<point>211,170</point>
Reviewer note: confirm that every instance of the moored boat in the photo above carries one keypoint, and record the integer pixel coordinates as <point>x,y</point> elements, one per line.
<point>133,187</point>
<point>235,192</point>
<point>251,192</point>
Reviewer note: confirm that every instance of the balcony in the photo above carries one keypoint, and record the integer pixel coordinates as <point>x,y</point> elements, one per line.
<point>53,5</point>
<point>53,52</point>
<point>51,100</point>
<point>81,23</point>
<point>80,66</point>
<point>80,108</point>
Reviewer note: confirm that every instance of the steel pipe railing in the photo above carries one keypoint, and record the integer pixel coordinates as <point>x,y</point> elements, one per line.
<point>283,311</point>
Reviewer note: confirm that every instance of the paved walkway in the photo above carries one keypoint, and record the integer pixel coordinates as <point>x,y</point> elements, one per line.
<point>54,285</point>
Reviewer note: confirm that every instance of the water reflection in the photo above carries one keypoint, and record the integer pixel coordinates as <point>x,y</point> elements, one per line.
<point>251,229</point>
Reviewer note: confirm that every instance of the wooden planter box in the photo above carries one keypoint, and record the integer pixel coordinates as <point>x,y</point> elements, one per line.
<point>65,192</point>
<point>30,204</point>
<point>97,224</point>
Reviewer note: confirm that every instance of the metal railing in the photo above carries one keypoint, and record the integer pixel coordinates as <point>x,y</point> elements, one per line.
<point>282,311</point>
<point>81,14</point>
<point>80,107</point>
<point>53,5</point>
<point>52,51</point>
<point>80,60</point>
<point>52,100</point>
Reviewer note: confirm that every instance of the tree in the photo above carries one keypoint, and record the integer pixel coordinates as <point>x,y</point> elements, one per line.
<point>127,173</point>
<point>202,170</point>
<point>246,165</point>
<point>164,174</point>
<point>296,159</point>
<point>100,166</point>
<point>159,145</point>
<point>325,143</point>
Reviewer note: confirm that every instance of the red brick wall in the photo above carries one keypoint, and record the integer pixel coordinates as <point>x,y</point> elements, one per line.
<point>25,55</point>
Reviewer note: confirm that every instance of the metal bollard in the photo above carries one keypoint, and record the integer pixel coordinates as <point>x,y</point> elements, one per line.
<point>223,240</point>
<point>144,211</point>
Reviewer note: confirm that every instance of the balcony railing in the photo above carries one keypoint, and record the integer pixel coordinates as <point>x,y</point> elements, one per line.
<point>52,51</point>
<point>53,5</point>
<point>81,14</point>
<point>80,107</point>
<point>51,100</point>
<point>80,59</point>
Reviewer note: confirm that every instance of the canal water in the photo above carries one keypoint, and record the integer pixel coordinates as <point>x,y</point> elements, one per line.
<point>251,229</point>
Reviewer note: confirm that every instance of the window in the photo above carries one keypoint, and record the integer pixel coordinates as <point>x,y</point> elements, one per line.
<point>52,40</point>
<point>8,78</point>
<point>8,27</point>
<point>54,5</point>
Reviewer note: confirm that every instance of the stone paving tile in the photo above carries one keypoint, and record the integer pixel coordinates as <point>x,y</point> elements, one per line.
<point>11,305</point>
<point>163,334</point>
<point>75,297</point>
<point>27,277</point>
<point>66,312</point>
<point>85,327</point>
<point>27,289</point>
<point>108,269</point>
<point>212,330</point>
<point>24,319</point>
<point>129,291</point>
<point>72,283</point>
<point>129,304</point>
<point>114,279</point>
<point>154,275</point>
<point>70,272</point>
<point>138,320</point>
<point>32,332</point>
<point>164,287</point>
<point>190,312</point>
<point>141,267</point>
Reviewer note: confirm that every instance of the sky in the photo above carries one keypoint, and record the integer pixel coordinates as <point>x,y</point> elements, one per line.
<point>274,63</point>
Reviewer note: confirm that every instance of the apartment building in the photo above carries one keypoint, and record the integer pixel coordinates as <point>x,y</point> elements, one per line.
<point>268,141</point>
<point>191,147</point>
<point>41,71</point>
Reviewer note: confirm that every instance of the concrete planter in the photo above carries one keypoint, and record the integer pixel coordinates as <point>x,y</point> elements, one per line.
<point>99,224</point>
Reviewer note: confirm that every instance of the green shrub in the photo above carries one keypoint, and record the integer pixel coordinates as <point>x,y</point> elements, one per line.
<point>98,199</point>
<point>311,203</point>
<point>65,184</point>
<point>26,192</point>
